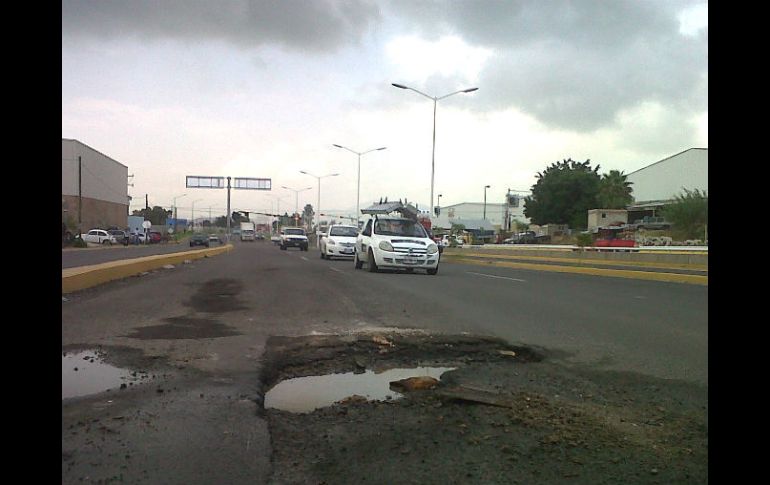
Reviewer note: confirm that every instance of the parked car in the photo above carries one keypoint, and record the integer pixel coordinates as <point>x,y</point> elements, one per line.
<point>213,238</point>
<point>199,239</point>
<point>98,236</point>
<point>340,242</point>
<point>155,237</point>
<point>121,237</point>
<point>527,237</point>
<point>138,238</point>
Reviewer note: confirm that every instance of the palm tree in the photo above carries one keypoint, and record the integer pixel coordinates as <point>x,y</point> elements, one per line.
<point>615,191</point>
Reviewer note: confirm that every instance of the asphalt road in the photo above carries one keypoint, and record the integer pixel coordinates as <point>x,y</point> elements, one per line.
<point>207,323</point>
<point>646,326</point>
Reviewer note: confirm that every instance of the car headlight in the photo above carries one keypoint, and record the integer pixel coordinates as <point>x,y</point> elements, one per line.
<point>386,246</point>
<point>331,241</point>
<point>432,249</point>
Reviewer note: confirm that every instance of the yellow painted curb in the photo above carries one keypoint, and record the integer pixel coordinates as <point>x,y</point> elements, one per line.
<point>74,279</point>
<point>616,273</point>
<point>597,262</point>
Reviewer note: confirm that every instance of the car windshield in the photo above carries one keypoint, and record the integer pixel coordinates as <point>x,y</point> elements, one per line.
<point>298,232</point>
<point>343,231</point>
<point>399,227</point>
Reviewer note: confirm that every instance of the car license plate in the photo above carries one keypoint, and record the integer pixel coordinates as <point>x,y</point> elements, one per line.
<point>410,260</point>
<point>347,250</point>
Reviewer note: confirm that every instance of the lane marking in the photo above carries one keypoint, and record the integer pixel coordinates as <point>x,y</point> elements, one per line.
<point>338,270</point>
<point>304,258</point>
<point>495,276</point>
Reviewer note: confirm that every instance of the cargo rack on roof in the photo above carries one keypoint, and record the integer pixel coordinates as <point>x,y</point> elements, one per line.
<point>384,207</point>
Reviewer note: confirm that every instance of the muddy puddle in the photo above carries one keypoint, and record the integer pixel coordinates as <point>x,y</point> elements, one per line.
<point>305,394</point>
<point>85,372</point>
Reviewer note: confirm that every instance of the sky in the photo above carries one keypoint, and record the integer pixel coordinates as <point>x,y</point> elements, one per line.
<point>266,89</point>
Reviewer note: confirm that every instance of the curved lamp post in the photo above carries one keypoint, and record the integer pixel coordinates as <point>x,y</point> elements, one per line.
<point>435,100</point>
<point>358,192</point>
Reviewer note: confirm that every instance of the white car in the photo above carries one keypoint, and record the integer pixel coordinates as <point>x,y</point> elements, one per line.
<point>396,242</point>
<point>98,236</point>
<point>293,237</point>
<point>339,242</point>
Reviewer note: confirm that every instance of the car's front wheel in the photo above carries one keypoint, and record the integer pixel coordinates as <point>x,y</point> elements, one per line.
<point>372,263</point>
<point>433,270</point>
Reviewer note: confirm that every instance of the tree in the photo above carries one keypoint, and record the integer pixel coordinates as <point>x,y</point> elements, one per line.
<point>457,228</point>
<point>614,191</point>
<point>688,214</point>
<point>563,194</point>
<point>307,215</point>
<point>157,215</point>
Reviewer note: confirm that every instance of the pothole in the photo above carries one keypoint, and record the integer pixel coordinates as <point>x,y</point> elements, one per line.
<point>305,394</point>
<point>85,372</point>
<point>302,374</point>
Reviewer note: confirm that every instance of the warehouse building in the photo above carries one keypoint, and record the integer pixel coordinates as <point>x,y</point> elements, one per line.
<point>657,184</point>
<point>478,215</point>
<point>94,188</point>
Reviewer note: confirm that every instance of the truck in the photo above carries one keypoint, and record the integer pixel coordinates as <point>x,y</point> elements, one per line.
<point>248,231</point>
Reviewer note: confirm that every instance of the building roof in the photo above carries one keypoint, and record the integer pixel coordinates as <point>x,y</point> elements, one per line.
<point>667,158</point>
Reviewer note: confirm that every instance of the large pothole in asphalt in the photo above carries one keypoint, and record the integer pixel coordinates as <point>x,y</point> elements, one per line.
<point>504,414</point>
<point>301,374</point>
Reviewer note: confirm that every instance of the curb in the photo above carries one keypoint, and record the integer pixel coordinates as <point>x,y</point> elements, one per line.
<point>74,279</point>
<point>616,273</point>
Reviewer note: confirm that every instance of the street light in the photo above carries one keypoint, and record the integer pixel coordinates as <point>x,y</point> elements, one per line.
<point>358,192</point>
<point>174,206</point>
<point>318,207</point>
<point>435,100</point>
<point>296,196</point>
<point>192,217</point>
<point>485,201</point>
<point>438,200</point>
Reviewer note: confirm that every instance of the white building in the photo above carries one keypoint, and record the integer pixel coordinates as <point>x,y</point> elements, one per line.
<point>663,180</point>
<point>498,215</point>
<point>94,188</point>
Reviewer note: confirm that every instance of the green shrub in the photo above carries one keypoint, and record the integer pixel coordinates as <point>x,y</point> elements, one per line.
<point>584,239</point>
<point>79,243</point>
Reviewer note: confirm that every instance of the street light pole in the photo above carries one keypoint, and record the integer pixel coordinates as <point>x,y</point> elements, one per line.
<point>296,197</point>
<point>433,154</point>
<point>318,206</point>
<point>174,206</point>
<point>192,217</point>
<point>358,191</point>
<point>485,201</point>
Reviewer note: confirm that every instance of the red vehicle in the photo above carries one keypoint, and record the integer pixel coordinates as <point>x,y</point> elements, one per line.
<point>155,237</point>
<point>614,237</point>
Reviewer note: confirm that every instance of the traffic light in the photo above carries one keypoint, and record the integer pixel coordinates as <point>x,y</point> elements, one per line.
<point>437,210</point>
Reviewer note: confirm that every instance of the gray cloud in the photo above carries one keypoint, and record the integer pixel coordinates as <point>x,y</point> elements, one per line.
<point>573,65</point>
<point>318,25</point>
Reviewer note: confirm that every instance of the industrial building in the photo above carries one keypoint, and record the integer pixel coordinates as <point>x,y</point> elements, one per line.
<point>94,188</point>
<point>659,183</point>
<point>478,215</point>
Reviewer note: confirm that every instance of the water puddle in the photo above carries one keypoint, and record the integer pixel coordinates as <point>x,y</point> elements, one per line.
<point>304,394</point>
<point>84,373</point>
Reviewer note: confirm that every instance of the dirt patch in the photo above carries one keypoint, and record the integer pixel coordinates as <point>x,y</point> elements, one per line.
<point>218,296</point>
<point>180,328</point>
<point>505,415</point>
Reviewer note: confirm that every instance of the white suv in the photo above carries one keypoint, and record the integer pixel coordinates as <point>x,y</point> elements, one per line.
<point>339,242</point>
<point>293,237</point>
<point>396,242</point>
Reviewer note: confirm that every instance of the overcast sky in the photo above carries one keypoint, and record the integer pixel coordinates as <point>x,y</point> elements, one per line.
<point>265,88</point>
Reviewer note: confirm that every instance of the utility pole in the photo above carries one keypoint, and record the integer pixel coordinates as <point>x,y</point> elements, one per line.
<point>80,193</point>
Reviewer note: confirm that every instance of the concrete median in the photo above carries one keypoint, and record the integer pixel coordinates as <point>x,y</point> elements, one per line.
<point>672,267</point>
<point>74,279</point>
